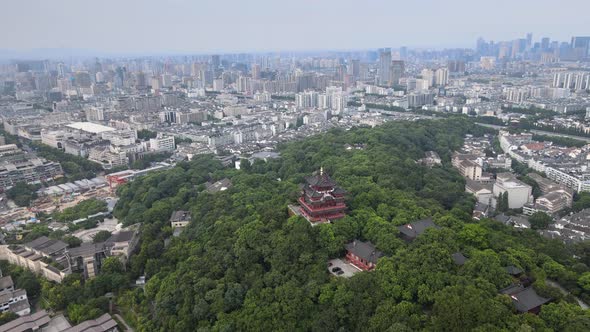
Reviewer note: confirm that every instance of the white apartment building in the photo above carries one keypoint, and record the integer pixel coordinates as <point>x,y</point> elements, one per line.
<point>470,169</point>
<point>162,143</point>
<point>567,180</point>
<point>519,193</point>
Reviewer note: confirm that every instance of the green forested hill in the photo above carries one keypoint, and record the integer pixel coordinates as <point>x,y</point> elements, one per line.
<point>243,264</point>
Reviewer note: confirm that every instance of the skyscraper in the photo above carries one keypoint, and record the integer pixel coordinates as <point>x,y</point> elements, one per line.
<point>403,53</point>
<point>255,71</point>
<point>545,43</point>
<point>582,44</point>
<point>215,62</point>
<point>441,76</point>
<point>398,69</point>
<point>355,68</point>
<point>529,40</point>
<point>384,66</point>
<point>456,66</point>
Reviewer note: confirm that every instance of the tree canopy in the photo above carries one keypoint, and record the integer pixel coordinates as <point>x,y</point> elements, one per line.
<point>244,264</point>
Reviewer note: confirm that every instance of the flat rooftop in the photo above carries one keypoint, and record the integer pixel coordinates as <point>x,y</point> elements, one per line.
<point>90,127</point>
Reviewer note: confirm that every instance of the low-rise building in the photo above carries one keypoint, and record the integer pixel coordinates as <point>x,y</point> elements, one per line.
<point>13,300</point>
<point>431,159</point>
<point>519,193</point>
<point>411,231</point>
<point>108,156</point>
<point>554,201</point>
<point>27,323</point>
<point>180,219</point>
<point>16,166</point>
<point>123,243</point>
<point>481,191</point>
<point>363,255</point>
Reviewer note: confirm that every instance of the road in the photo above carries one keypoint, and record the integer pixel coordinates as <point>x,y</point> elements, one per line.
<point>565,292</point>
<point>539,132</point>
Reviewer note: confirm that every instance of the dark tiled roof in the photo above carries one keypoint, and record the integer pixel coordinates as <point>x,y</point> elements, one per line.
<point>122,236</point>
<point>364,250</point>
<point>180,215</point>
<point>19,306</point>
<point>320,180</point>
<point>37,242</point>
<point>218,186</point>
<point>26,323</point>
<point>87,249</point>
<point>102,323</point>
<point>480,207</point>
<point>502,218</point>
<point>527,299</point>
<point>459,258</point>
<point>339,191</point>
<point>513,270</point>
<point>47,245</point>
<point>514,288</point>
<point>416,228</point>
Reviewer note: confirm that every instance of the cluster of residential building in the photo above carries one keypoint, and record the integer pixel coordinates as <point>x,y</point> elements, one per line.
<point>557,188</point>
<point>54,260</point>
<point>12,299</point>
<point>44,321</point>
<point>565,165</point>
<point>17,165</point>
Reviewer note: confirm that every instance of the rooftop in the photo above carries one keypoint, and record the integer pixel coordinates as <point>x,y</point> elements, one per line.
<point>26,323</point>
<point>364,250</point>
<point>90,127</point>
<point>122,236</point>
<point>527,299</point>
<point>102,323</point>
<point>180,215</point>
<point>6,282</point>
<point>416,228</point>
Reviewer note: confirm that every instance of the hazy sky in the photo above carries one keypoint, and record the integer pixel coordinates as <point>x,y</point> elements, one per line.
<point>203,26</point>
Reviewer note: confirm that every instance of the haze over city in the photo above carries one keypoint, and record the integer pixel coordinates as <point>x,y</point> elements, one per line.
<point>294,165</point>
<point>184,26</point>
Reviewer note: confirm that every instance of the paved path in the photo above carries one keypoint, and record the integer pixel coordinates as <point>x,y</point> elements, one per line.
<point>127,327</point>
<point>565,292</point>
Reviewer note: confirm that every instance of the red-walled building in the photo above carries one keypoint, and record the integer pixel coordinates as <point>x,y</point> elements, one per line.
<point>363,255</point>
<point>322,200</point>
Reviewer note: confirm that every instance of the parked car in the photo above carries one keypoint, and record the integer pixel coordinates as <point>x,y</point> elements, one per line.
<point>336,269</point>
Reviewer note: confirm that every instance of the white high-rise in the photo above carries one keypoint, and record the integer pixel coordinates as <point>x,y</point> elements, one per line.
<point>442,77</point>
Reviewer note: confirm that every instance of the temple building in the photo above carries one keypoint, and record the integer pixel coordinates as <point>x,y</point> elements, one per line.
<point>363,255</point>
<point>321,201</point>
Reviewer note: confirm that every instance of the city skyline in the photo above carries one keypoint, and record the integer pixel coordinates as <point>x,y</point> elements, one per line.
<point>182,27</point>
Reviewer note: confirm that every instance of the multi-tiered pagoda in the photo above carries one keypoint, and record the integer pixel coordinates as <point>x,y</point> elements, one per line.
<point>322,200</point>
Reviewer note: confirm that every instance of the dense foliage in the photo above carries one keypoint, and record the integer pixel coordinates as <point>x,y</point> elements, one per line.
<point>561,141</point>
<point>84,299</point>
<point>74,167</point>
<point>243,264</point>
<point>81,210</point>
<point>22,193</point>
<point>146,134</point>
<point>148,159</point>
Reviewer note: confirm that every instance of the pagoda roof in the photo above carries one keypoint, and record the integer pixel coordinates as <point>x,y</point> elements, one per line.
<point>339,191</point>
<point>311,192</point>
<point>320,180</point>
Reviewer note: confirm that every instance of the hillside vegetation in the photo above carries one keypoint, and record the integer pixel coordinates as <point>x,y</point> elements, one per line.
<point>244,264</point>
